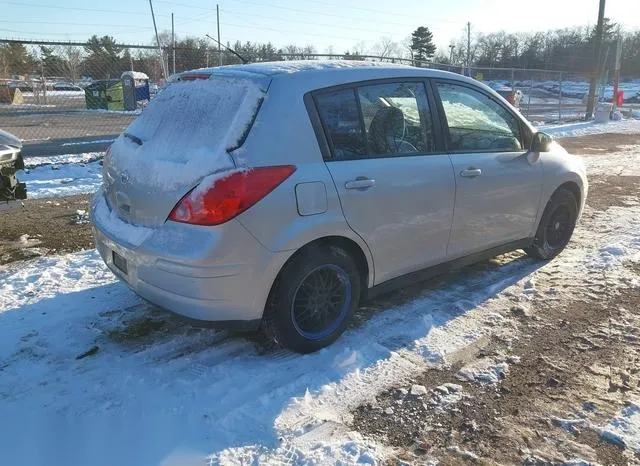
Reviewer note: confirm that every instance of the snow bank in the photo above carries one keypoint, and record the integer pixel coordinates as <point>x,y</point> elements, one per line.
<point>589,127</point>
<point>69,94</point>
<point>186,132</point>
<point>87,157</point>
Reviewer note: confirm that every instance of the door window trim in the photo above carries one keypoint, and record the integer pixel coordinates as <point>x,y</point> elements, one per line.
<point>321,131</point>
<point>445,123</point>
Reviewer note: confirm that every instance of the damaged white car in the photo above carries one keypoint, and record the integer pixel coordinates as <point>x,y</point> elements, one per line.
<point>10,162</point>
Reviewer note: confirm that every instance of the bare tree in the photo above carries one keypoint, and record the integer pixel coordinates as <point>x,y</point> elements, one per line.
<point>386,48</point>
<point>360,48</point>
<point>309,50</point>
<point>406,50</point>
<point>330,51</point>
<point>294,52</point>
<point>72,57</point>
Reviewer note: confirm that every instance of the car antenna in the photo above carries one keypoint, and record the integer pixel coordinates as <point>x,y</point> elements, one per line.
<point>244,60</point>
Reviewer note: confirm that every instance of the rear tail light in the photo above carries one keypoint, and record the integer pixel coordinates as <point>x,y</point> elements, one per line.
<point>229,196</point>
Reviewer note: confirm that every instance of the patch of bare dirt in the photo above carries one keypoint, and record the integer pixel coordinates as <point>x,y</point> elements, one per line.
<point>576,361</point>
<point>595,144</point>
<point>45,226</point>
<point>607,191</point>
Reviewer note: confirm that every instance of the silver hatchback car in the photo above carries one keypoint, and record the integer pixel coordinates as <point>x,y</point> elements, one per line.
<point>279,195</point>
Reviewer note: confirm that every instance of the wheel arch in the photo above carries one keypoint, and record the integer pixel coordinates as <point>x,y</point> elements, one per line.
<point>572,187</point>
<point>572,182</point>
<point>352,248</point>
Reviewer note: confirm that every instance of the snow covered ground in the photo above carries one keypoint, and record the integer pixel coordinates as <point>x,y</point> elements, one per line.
<point>62,175</point>
<point>585,128</point>
<point>58,94</point>
<point>91,374</point>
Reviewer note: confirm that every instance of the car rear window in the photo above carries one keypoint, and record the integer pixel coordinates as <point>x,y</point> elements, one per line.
<point>206,113</point>
<point>188,129</point>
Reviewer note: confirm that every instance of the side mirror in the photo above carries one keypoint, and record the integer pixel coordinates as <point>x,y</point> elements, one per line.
<point>541,142</point>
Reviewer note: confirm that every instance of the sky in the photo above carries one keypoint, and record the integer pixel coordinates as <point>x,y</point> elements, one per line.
<point>328,25</point>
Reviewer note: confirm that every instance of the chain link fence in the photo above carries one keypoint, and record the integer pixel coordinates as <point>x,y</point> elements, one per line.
<point>77,97</point>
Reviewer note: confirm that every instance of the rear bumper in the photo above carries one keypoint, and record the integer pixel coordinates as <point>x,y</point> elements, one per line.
<point>215,274</point>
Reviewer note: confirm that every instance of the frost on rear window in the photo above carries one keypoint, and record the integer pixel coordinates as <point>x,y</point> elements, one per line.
<point>185,132</point>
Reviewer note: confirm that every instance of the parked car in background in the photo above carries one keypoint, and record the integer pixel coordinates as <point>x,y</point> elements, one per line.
<point>513,96</point>
<point>10,161</point>
<point>279,195</point>
<point>66,87</point>
<point>24,86</point>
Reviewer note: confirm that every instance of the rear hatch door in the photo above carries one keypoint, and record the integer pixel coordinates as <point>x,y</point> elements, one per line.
<point>186,133</point>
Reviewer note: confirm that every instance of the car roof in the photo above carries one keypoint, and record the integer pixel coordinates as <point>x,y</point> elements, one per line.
<point>302,76</point>
<point>352,70</point>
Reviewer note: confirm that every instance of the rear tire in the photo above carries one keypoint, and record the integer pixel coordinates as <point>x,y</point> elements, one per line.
<point>313,299</point>
<point>556,226</point>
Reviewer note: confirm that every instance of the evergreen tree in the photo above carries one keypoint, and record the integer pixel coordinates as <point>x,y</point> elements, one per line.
<point>51,64</point>
<point>422,44</point>
<point>15,59</point>
<point>104,57</point>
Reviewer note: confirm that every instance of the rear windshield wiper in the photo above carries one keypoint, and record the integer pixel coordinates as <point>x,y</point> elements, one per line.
<point>135,139</point>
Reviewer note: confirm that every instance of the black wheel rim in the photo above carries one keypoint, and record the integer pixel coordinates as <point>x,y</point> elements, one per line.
<point>559,227</point>
<point>321,301</point>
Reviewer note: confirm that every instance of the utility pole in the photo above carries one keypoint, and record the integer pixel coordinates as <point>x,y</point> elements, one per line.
<point>153,16</point>
<point>219,48</point>
<point>598,53</point>
<point>173,43</point>
<point>616,81</point>
<point>468,49</point>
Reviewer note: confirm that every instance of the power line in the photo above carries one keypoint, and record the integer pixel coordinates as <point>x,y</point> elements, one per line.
<point>54,23</point>
<point>55,33</point>
<point>299,10</point>
<point>313,23</point>
<point>58,7</point>
<point>382,12</point>
<point>285,31</point>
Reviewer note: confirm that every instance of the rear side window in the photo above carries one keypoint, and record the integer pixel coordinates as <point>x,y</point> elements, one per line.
<point>341,118</point>
<point>379,120</point>
<point>394,119</point>
<point>476,122</point>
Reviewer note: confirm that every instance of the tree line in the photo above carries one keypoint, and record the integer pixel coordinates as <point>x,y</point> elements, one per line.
<point>570,50</point>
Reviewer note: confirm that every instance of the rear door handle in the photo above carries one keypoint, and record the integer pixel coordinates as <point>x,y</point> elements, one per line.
<point>361,183</point>
<point>471,172</point>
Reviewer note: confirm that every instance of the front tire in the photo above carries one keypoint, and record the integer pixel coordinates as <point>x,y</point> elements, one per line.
<point>313,299</point>
<point>556,226</point>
